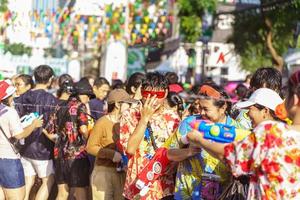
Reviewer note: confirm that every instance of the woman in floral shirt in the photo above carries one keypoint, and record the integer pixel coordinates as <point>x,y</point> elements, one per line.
<point>202,176</point>
<point>136,124</point>
<point>68,128</point>
<point>271,154</point>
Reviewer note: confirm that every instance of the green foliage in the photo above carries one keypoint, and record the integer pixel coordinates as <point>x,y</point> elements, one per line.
<point>190,13</point>
<point>250,33</point>
<point>17,49</point>
<point>3,5</point>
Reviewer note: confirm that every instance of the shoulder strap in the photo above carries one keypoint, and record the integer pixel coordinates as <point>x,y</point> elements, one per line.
<point>4,134</point>
<point>151,136</point>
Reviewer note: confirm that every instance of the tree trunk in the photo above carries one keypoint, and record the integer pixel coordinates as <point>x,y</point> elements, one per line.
<point>279,63</point>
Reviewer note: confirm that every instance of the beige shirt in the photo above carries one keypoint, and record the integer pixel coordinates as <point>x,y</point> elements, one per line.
<point>102,141</point>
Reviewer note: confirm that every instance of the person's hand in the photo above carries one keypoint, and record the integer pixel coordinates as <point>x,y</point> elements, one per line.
<point>117,157</point>
<point>149,108</point>
<point>186,112</point>
<point>193,150</point>
<point>37,123</point>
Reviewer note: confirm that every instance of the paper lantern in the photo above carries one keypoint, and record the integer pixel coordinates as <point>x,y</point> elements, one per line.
<point>116,15</point>
<point>152,25</point>
<point>122,20</point>
<point>138,26</point>
<point>165,31</point>
<point>157,31</point>
<point>146,19</point>
<point>133,36</point>
<point>160,25</point>
<point>143,31</point>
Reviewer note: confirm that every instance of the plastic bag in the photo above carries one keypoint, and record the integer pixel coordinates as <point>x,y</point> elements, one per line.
<point>237,189</point>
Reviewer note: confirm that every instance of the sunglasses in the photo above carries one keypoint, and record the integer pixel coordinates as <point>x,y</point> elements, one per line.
<point>159,94</point>
<point>209,91</point>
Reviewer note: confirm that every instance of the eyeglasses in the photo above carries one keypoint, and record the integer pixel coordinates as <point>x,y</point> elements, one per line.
<point>159,94</point>
<point>209,91</point>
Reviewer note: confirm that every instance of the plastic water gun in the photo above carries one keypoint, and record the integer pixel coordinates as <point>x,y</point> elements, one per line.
<point>123,164</point>
<point>154,169</point>
<point>216,132</point>
<point>26,120</point>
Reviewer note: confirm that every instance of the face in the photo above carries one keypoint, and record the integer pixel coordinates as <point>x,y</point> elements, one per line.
<point>102,91</point>
<point>159,93</point>
<point>211,112</point>
<point>291,105</point>
<point>256,115</point>
<point>138,93</point>
<point>21,88</point>
<point>84,98</point>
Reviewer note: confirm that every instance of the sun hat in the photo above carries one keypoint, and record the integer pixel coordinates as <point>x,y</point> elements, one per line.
<point>119,95</point>
<point>264,97</point>
<point>6,89</point>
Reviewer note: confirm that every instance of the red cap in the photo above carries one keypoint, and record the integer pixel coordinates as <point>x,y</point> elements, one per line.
<point>6,89</point>
<point>175,88</point>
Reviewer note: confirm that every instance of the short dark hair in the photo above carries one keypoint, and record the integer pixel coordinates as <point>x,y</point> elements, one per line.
<point>42,74</point>
<point>268,77</point>
<point>241,91</point>
<point>117,84</point>
<point>99,81</point>
<point>172,77</point>
<point>135,80</point>
<point>27,79</point>
<point>155,80</point>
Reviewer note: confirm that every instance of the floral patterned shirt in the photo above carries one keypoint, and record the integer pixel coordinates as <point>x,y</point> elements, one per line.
<point>162,125</point>
<point>65,122</point>
<point>271,155</point>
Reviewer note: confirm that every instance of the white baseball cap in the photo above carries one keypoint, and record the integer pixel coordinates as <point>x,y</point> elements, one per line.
<point>264,97</point>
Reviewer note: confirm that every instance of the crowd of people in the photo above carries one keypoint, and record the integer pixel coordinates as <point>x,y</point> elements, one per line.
<point>91,139</point>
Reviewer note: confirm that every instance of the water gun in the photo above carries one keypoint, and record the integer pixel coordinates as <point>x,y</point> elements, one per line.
<point>123,164</point>
<point>216,132</point>
<point>155,168</point>
<point>26,120</point>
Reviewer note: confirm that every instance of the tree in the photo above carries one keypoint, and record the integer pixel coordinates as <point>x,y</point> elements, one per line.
<point>262,35</point>
<point>3,5</point>
<point>190,14</point>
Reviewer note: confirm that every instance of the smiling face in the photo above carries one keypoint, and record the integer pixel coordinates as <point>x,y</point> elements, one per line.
<point>256,115</point>
<point>211,112</point>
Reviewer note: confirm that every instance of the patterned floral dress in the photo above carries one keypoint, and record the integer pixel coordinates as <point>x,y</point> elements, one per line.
<point>272,156</point>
